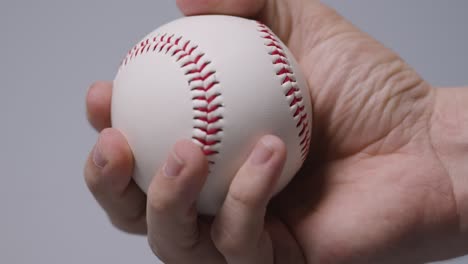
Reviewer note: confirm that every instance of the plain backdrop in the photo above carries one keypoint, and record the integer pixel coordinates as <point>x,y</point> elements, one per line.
<point>51,51</point>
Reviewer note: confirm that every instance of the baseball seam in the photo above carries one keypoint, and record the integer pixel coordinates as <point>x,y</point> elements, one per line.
<point>208,107</point>
<point>291,90</point>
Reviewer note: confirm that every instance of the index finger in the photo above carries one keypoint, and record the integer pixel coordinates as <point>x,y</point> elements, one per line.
<point>244,8</point>
<point>174,232</point>
<point>278,15</point>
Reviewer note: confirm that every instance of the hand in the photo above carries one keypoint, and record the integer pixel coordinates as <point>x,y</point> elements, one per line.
<point>383,183</point>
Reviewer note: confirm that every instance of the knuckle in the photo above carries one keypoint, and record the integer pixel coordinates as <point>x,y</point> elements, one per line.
<point>133,222</point>
<point>190,241</point>
<point>92,179</point>
<point>169,253</point>
<point>158,203</point>
<point>158,252</point>
<point>130,227</point>
<point>230,248</point>
<point>240,197</point>
<point>93,185</point>
<point>227,243</point>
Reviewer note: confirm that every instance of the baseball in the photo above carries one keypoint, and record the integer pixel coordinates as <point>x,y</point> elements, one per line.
<point>222,82</point>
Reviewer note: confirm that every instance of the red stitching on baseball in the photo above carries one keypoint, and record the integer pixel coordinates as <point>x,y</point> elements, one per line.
<point>212,131</point>
<point>288,81</point>
<point>295,101</point>
<point>204,98</point>
<point>209,152</point>
<point>202,78</point>
<point>198,70</point>
<point>183,56</point>
<point>186,45</point>
<point>305,139</point>
<point>192,50</point>
<point>280,61</point>
<point>274,45</point>
<point>162,47</point>
<point>206,110</point>
<point>298,111</point>
<point>196,60</point>
<point>278,52</point>
<point>269,36</point>
<point>209,120</point>
<point>301,120</point>
<point>292,91</point>
<point>176,51</point>
<point>206,142</point>
<point>304,127</point>
<point>207,88</point>
<point>284,71</point>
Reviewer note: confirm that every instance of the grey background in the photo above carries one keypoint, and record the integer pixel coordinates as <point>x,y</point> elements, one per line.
<point>52,50</point>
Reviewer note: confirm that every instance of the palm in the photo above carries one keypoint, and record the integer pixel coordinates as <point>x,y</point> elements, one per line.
<point>372,175</point>
<point>364,205</point>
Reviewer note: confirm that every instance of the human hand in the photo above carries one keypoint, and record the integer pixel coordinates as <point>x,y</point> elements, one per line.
<point>176,233</point>
<point>380,184</point>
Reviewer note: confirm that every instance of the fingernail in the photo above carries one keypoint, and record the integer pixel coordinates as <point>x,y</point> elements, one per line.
<point>98,158</point>
<point>173,165</point>
<point>263,152</point>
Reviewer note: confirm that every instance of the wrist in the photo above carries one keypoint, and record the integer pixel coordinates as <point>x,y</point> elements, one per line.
<point>449,134</point>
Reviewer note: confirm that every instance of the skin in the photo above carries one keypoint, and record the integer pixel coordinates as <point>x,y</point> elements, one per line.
<point>386,180</point>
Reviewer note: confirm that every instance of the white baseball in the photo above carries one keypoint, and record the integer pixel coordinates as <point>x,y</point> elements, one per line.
<point>221,81</point>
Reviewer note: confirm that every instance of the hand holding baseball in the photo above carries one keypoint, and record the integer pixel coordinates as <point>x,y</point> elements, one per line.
<point>380,184</point>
